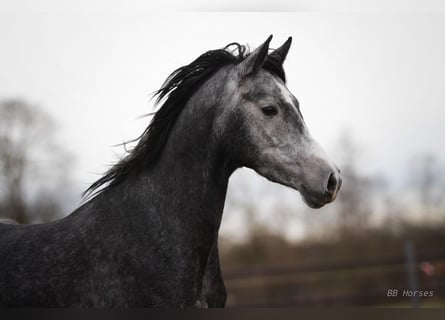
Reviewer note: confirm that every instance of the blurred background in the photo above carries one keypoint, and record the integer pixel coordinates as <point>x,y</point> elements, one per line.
<point>74,84</point>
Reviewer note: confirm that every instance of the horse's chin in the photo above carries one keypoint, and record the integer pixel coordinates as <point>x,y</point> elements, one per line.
<point>312,201</point>
<point>314,205</point>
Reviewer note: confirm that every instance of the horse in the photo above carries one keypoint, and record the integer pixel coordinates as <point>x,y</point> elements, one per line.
<point>147,233</point>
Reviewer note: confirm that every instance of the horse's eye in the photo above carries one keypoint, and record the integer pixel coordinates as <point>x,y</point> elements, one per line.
<point>270,111</point>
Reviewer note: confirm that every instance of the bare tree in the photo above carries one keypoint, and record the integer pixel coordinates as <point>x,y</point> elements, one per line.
<point>353,204</point>
<point>427,179</point>
<point>29,161</point>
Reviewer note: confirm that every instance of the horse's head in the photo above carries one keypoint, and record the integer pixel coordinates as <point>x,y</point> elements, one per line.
<point>265,130</point>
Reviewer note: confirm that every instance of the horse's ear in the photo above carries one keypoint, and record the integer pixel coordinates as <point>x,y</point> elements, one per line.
<point>281,52</point>
<point>256,59</point>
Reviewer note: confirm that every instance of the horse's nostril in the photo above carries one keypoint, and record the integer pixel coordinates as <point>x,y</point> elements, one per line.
<point>332,183</point>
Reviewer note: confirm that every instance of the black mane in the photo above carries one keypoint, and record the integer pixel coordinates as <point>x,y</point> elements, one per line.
<point>177,90</point>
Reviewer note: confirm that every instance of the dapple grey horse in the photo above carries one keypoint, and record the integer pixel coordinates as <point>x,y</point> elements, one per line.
<point>148,236</point>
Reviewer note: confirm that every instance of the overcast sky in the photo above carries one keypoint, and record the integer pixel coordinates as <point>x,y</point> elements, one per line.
<point>379,75</point>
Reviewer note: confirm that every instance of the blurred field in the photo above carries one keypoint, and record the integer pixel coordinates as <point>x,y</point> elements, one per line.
<point>350,271</point>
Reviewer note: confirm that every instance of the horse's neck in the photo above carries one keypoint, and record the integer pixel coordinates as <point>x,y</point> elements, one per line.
<point>187,186</point>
